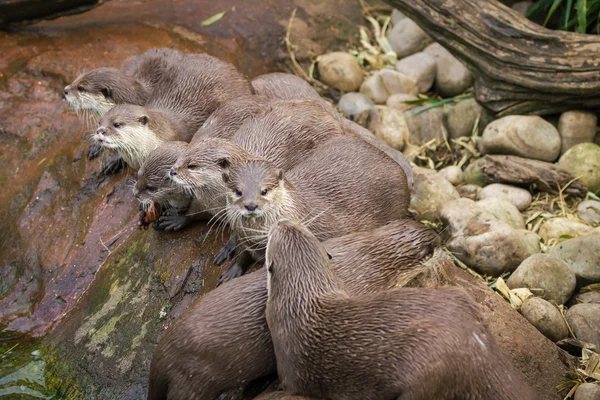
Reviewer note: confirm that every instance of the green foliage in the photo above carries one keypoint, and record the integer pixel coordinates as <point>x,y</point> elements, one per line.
<point>581,16</point>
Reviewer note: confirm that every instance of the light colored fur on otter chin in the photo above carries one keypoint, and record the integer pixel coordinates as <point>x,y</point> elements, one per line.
<point>89,106</point>
<point>210,193</point>
<point>133,143</point>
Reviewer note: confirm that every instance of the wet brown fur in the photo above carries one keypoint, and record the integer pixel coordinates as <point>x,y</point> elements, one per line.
<point>406,343</point>
<point>227,341</point>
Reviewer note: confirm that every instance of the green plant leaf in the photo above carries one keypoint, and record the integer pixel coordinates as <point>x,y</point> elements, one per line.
<point>213,19</point>
<point>567,13</point>
<point>553,8</point>
<point>581,16</point>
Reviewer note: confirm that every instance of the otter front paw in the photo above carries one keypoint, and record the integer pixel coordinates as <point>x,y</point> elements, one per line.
<point>226,253</point>
<point>114,165</point>
<point>94,150</point>
<point>171,222</point>
<point>233,272</point>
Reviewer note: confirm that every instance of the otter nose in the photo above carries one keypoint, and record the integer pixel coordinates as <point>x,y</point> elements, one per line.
<point>250,206</point>
<point>67,90</point>
<point>100,131</point>
<point>172,172</point>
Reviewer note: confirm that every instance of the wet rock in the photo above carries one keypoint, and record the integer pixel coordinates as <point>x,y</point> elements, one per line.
<point>452,77</point>
<point>420,66</point>
<point>407,38</point>
<point>587,391</point>
<point>593,296</point>
<point>521,198</point>
<point>525,136</point>
<point>583,256</point>
<point>388,124</point>
<point>469,191</point>
<point>425,126</point>
<point>522,7</point>
<point>430,193</point>
<point>504,210</point>
<point>453,174</point>
<point>397,16</point>
<point>550,274</point>
<point>546,318</point>
<point>353,103</point>
<point>340,70</point>
<point>387,82</point>
<point>474,174</point>
<point>398,101</point>
<point>583,161</point>
<point>576,127</point>
<point>563,228</point>
<point>461,117</point>
<point>589,211</point>
<point>584,320</point>
<point>482,241</point>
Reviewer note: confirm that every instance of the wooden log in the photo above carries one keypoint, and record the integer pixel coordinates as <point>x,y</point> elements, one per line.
<point>24,12</point>
<point>519,67</point>
<point>547,177</point>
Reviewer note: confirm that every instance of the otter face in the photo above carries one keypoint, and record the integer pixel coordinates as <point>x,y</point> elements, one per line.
<point>91,93</point>
<point>255,190</point>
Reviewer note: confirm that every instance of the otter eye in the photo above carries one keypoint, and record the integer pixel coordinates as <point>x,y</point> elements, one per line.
<point>150,188</point>
<point>193,166</point>
<point>238,192</point>
<point>80,89</point>
<point>264,192</point>
<point>117,124</point>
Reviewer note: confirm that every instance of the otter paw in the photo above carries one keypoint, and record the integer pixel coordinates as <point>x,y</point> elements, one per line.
<point>94,150</point>
<point>233,272</point>
<point>171,222</point>
<point>226,253</point>
<point>114,165</point>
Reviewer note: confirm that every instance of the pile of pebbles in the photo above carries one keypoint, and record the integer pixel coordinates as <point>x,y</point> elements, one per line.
<point>547,244</point>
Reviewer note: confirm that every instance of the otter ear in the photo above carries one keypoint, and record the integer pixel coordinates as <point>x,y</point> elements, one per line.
<point>105,92</point>
<point>225,176</point>
<point>223,163</point>
<point>279,174</point>
<point>143,119</point>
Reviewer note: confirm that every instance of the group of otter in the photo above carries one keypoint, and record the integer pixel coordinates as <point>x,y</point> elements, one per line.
<point>324,204</point>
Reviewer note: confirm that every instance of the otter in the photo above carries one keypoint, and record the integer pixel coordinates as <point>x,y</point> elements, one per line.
<point>405,343</point>
<point>342,186</point>
<point>227,341</point>
<point>280,396</point>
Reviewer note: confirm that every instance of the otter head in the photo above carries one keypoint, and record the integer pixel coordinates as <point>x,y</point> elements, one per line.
<point>255,191</point>
<point>125,128</point>
<point>153,183</point>
<point>99,90</point>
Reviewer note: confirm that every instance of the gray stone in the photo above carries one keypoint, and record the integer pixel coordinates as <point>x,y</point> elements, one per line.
<point>469,191</point>
<point>522,7</point>
<point>593,296</point>
<point>482,241</point>
<point>521,198</point>
<point>561,228</point>
<point>452,77</point>
<point>576,127</point>
<point>422,67</point>
<point>397,16</point>
<point>398,101</point>
<point>453,174</point>
<point>387,124</point>
<point>461,117</point>
<point>584,320</point>
<point>550,274</point>
<point>474,174</point>
<point>589,211</point>
<point>504,210</point>
<point>426,125</point>
<point>583,256</point>
<point>382,84</point>
<point>340,70</point>
<point>583,161</point>
<point>520,135</point>
<point>430,193</point>
<point>546,318</point>
<point>353,103</point>
<point>407,38</point>
<point>588,391</point>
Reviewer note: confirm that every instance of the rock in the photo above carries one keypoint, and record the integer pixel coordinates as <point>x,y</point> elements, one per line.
<point>592,296</point>
<point>563,228</point>
<point>482,241</point>
<point>520,135</point>
<point>576,127</point>
<point>469,191</point>
<point>452,77</point>
<point>422,67</point>
<point>521,7</point>
<point>340,70</point>
<point>353,103</point>
<point>583,256</point>
<point>546,318</point>
<point>474,175</point>
<point>386,123</point>
<point>504,210</point>
<point>397,101</point>
<point>453,174</point>
<point>460,118</point>
<point>550,274</point>
<point>588,391</point>
<point>397,16</point>
<point>589,211</point>
<point>430,193</point>
<point>407,38</point>
<point>521,198</point>
<point>387,82</point>
<point>426,125</point>
<point>584,320</point>
<point>583,161</point>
